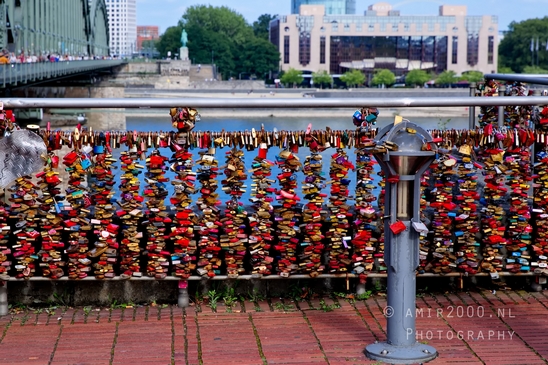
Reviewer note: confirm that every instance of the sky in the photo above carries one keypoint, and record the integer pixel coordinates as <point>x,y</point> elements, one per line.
<point>166,13</point>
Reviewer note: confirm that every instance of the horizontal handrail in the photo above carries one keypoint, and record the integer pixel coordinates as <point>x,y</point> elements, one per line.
<point>536,79</point>
<point>271,277</point>
<point>279,103</point>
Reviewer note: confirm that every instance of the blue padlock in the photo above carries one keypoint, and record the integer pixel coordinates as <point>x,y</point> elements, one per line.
<point>98,149</point>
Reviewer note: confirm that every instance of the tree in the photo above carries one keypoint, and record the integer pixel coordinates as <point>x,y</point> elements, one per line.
<point>515,48</point>
<point>170,41</point>
<point>534,70</point>
<point>505,70</point>
<point>416,78</point>
<point>258,56</point>
<point>149,47</point>
<point>261,26</point>
<point>384,77</point>
<point>471,76</point>
<point>353,78</point>
<point>321,77</point>
<point>221,20</point>
<point>292,77</point>
<point>446,78</point>
<point>221,36</point>
<point>206,47</point>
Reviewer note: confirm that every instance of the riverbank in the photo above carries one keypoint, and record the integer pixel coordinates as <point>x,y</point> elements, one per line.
<point>180,95</point>
<point>435,112</point>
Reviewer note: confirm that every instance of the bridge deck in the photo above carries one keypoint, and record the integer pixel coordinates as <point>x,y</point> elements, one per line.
<point>21,73</point>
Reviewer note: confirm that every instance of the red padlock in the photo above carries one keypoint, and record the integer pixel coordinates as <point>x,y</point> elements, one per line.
<point>397,227</point>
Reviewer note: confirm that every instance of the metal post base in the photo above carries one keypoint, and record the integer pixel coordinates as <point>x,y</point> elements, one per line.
<point>183,299</point>
<point>360,289</point>
<point>415,354</point>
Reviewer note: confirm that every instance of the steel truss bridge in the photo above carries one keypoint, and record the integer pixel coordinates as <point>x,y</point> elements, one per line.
<point>78,28</point>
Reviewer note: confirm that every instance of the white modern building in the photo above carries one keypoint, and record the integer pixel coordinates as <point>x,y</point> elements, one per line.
<point>382,38</point>
<point>122,26</point>
<point>332,7</point>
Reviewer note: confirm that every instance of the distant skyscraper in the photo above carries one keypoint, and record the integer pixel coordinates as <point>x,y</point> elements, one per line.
<point>122,27</point>
<point>332,7</point>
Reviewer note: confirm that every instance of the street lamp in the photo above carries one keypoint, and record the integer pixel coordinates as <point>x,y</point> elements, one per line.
<point>404,152</point>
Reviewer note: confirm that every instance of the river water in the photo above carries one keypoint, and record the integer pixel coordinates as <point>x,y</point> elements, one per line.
<point>242,124</point>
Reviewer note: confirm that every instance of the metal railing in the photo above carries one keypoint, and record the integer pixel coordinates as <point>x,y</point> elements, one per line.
<point>278,103</point>
<point>147,103</point>
<point>20,73</point>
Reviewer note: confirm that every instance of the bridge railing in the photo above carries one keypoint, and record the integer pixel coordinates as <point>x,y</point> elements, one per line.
<point>314,217</point>
<point>20,73</point>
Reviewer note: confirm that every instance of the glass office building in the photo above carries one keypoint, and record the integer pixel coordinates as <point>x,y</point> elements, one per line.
<point>314,40</point>
<point>334,7</point>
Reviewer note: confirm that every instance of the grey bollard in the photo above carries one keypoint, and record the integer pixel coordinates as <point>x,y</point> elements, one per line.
<point>4,310</point>
<point>183,300</point>
<point>360,289</point>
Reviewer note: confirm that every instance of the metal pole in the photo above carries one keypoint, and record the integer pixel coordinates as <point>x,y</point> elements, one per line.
<point>471,108</point>
<point>402,205</point>
<point>4,310</point>
<point>502,91</point>
<point>220,103</point>
<point>537,79</point>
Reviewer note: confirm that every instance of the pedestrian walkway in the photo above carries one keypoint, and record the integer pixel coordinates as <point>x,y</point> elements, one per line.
<point>506,327</point>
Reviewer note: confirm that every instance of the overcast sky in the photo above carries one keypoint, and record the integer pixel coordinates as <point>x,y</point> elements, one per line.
<point>166,13</point>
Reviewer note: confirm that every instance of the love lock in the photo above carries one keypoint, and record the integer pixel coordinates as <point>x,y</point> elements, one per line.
<point>184,118</point>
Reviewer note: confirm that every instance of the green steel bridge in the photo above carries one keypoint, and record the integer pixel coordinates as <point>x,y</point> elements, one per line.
<point>38,28</point>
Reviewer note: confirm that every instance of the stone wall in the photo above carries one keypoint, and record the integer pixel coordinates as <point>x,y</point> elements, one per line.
<point>152,67</point>
<point>175,68</point>
<point>113,119</point>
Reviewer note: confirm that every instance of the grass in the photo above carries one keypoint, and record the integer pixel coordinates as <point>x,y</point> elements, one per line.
<point>213,297</point>
<point>364,296</point>
<point>328,307</point>
<point>230,299</point>
<point>255,296</point>
<point>282,307</point>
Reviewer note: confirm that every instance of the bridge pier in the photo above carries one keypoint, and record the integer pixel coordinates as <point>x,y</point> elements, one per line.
<point>111,119</point>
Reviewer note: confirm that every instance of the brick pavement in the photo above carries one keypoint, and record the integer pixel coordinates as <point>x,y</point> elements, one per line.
<point>465,327</point>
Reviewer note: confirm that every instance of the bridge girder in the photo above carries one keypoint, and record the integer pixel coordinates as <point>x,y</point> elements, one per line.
<point>77,27</point>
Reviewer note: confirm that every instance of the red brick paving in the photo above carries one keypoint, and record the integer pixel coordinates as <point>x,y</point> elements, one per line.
<point>466,328</point>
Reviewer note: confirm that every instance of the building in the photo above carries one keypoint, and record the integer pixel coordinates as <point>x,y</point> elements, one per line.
<point>122,26</point>
<point>332,7</point>
<point>384,39</point>
<point>146,33</point>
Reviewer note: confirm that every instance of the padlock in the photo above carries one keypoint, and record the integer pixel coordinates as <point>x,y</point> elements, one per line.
<point>397,227</point>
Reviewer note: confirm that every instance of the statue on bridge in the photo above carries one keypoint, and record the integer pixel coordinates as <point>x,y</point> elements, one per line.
<point>184,38</point>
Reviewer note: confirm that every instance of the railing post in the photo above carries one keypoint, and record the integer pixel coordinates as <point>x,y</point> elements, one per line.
<point>471,108</point>
<point>502,91</point>
<point>4,310</point>
<point>183,299</point>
